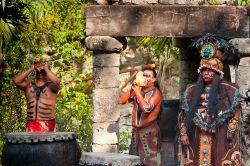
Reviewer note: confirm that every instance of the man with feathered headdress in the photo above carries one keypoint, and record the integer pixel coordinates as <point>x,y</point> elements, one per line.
<point>208,120</point>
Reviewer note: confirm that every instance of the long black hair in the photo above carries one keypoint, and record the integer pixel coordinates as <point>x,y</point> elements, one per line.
<point>194,104</point>
<point>213,96</point>
<point>212,101</point>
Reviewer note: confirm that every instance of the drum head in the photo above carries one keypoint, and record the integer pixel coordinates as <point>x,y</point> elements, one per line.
<point>29,137</point>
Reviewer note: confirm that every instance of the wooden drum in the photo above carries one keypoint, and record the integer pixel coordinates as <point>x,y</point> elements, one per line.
<point>41,149</point>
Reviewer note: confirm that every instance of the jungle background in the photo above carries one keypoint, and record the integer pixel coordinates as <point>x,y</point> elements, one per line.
<point>54,31</point>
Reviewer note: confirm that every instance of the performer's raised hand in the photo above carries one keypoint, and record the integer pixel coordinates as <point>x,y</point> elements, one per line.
<point>32,68</point>
<point>20,80</point>
<point>136,88</point>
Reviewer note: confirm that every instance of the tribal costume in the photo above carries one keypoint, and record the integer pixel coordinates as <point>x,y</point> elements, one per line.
<point>146,130</point>
<point>208,133</point>
<point>209,115</point>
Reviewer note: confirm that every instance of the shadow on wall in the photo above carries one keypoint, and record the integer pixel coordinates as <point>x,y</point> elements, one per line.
<point>168,118</point>
<point>168,126</point>
<point>113,128</point>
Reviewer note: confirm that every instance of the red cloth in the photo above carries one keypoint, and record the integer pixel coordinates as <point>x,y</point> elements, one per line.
<point>40,126</point>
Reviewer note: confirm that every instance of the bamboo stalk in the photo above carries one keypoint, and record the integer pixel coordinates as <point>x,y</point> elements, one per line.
<point>87,79</point>
<point>128,80</point>
<point>138,68</point>
<point>134,69</point>
<point>87,87</point>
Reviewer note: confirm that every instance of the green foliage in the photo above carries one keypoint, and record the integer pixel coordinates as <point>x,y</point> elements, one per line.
<point>74,108</point>
<point>124,141</point>
<point>214,2</point>
<point>58,25</point>
<point>243,2</point>
<point>12,17</point>
<point>161,48</point>
<point>13,107</point>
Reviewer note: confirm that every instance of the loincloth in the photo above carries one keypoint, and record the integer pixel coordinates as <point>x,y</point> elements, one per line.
<point>40,125</point>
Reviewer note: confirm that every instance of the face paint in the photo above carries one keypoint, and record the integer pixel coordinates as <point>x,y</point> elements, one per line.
<point>148,75</point>
<point>208,75</point>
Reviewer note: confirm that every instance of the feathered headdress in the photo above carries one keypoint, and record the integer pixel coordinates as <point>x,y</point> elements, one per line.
<point>209,44</point>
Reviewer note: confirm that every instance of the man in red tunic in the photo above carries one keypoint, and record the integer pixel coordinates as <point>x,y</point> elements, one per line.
<point>41,97</point>
<point>146,100</point>
<point>208,120</point>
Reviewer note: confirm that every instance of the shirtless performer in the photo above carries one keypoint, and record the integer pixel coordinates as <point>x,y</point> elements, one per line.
<point>41,97</point>
<point>146,98</point>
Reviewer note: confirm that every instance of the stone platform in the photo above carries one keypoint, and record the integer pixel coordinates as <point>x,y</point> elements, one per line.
<point>109,159</point>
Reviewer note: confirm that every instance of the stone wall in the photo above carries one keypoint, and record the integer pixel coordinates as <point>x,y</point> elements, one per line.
<point>242,79</point>
<point>168,78</point>
<point>167,2</point>
<point>179,2</point>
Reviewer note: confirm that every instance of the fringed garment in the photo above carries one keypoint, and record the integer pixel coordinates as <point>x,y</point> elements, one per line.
<point>209,145</point>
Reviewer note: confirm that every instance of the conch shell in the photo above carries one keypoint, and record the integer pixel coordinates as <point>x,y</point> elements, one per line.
<point>139,78</point>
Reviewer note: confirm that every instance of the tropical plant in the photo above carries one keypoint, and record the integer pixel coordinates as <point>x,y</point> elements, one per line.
<point>124,141</point>
<point>54,32</point>
<point>160,48</point>
<point>12,18</point>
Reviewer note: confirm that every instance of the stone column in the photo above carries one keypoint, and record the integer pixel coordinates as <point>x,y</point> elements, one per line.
<point>106,62</point>
<point>189,60</point>
<point>243,80</point>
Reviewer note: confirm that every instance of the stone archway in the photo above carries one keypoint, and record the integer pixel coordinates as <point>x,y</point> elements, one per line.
<point>185,22</point>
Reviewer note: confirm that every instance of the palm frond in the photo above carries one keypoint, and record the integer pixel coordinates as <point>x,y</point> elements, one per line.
<point>3,4</point>
<point>12,17</point>
<point>159,46</point>
<point>37,9</point>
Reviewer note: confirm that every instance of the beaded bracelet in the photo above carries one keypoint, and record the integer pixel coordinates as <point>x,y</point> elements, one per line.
<point>233,125</point>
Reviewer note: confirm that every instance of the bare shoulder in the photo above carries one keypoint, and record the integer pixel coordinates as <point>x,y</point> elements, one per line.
<point>53,87</point>
<point>155,91</point>
<point>24,85</point>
